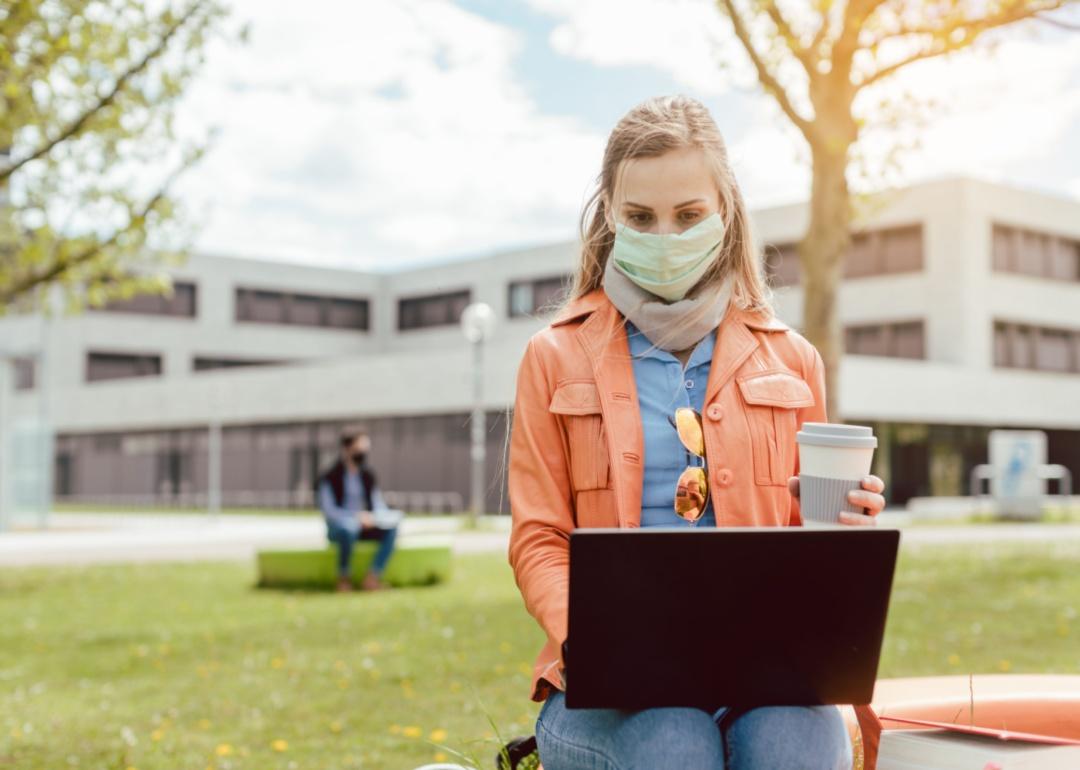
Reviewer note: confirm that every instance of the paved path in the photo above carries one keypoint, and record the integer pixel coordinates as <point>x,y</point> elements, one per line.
<point>88,538</point>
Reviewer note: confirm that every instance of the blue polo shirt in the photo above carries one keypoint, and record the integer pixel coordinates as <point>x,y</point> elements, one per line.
<point>663,386</point>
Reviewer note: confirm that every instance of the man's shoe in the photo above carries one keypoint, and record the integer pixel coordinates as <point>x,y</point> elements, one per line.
<point>372,582</point>
<point>344,584</point>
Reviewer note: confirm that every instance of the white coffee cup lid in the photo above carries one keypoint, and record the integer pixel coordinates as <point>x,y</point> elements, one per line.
<point>836,435</point>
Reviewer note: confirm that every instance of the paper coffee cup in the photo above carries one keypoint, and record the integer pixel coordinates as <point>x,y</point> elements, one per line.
<point>833,459</point>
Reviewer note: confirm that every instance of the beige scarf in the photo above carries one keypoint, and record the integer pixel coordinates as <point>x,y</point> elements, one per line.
<point>669,326</point>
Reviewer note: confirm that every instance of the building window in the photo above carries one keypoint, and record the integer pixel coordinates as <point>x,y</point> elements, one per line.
<point>432,310</point>
<point>181,303</point>
<point>210,363</point>
<point>277,307</point>
<point>116,366</point>
<point>904,339</point>
<point>877,252</point>
<point>782,264</point>
<point>1023,346</point>
<point>25,373</point>
<point>1042,255</point>
<point>527,298</point>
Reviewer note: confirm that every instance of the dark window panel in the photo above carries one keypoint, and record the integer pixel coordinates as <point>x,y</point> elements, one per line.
<point>267,306</point>
<point>432,310</point>
<point>902,249</point>
<point>1065,260</point>
<point>274,307</point>
<point>348,314</point>
<point>1053,350</point>
<point>1001,344</point>
<point>538,296</point>
<point>307,310</point>
<point>1003,245</point>
<point>521,299</point>
<point>1033,255</point>
<point>782,264</point>
<point>864,256</point>
<point>180,303</point>
<point>909,340</point>
<point>868,340</point>
<point>25,373</point>
<point>115,366</point>
<point>1020,346</point>
<point>209,363</point>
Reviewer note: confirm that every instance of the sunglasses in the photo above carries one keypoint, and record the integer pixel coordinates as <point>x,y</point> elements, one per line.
<point>691,491</point>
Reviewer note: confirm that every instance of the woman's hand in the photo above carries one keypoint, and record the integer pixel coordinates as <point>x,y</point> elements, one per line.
<point>869,497</point>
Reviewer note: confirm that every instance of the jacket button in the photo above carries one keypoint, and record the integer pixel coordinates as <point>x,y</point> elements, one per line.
<point>724,477</point>
<point>715,412</point>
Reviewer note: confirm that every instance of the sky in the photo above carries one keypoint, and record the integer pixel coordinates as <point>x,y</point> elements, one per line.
<point>385,135</point>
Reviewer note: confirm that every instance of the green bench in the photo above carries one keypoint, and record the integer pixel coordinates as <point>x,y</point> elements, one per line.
<point>413,565</point>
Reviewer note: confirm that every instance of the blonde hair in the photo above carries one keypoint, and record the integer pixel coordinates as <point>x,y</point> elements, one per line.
<point>652,128</point>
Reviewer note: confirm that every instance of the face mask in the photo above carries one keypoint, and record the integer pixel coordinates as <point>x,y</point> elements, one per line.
<point>358,457</point>
<point>668,265</point>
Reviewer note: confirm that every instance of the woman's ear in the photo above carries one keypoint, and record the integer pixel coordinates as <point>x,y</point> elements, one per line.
<point>609,217</point>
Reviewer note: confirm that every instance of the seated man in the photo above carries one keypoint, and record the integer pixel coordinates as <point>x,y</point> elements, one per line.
<point>354,510</point>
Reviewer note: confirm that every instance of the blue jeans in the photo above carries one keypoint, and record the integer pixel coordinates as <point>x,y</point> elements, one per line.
<point>346,538</point>
<point>765,738</point>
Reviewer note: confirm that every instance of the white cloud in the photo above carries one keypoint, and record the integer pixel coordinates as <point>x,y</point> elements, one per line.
<point>379,134</point>
<point>689,39</point>
<point>993,110</point>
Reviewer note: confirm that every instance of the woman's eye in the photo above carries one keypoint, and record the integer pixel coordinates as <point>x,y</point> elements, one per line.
<point>639,219</point>
<point>690,216</point>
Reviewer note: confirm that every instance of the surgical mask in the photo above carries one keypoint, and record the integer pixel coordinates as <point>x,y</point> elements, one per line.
<point>668,265</point>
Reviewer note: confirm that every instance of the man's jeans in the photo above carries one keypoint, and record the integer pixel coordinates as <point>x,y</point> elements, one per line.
<point>346,538</point>
<point>773,737</point>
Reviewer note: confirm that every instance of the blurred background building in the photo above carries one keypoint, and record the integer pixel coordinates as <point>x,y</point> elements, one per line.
<point>960,302</point>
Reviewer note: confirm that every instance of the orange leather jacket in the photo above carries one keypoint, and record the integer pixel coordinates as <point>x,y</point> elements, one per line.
<point>576,444</point>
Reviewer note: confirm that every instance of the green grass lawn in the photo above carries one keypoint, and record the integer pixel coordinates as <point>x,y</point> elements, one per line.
<point>188,666</point>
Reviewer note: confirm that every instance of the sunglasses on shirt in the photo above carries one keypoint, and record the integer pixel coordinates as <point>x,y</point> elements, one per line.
<point>691,490</point>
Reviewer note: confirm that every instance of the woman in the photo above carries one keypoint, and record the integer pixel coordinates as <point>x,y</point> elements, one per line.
<point>668,310</point>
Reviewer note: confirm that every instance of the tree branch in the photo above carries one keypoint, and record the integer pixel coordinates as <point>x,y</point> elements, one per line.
<point>971,29</point>
<point>765,76</point>
<point>65,264</point>
<point>806,56</point>
<point>106,99</point>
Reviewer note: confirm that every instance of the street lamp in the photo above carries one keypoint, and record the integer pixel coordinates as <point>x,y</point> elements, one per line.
<point>478,324</point>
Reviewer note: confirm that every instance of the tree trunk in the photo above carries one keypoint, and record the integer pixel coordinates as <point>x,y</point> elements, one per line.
<point>821,253</point>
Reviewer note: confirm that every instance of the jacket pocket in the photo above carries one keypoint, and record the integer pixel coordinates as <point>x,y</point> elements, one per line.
<point>578,403</point>
<point>771,398</point>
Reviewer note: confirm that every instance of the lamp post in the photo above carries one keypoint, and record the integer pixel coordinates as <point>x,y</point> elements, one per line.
<point>478,324</point>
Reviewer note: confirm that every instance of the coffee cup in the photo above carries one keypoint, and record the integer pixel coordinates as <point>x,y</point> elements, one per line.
<point>833,460</point>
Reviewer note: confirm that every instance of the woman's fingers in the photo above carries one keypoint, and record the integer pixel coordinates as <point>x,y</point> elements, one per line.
<point>871,501</point>
<point>857,519</point>
<point>793,486</point>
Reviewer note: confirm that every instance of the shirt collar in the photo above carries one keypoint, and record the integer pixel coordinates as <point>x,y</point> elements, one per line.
<point>642,347</point>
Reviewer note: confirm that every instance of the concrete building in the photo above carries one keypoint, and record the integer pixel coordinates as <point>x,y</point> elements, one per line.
<point>961,308</point>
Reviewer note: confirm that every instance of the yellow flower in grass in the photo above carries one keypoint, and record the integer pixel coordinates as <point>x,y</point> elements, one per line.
<point>223,750</point>
<point>335,727</point>
<point>440,757</point>
<point>277,663</point>
<point>395,729</point>
<point>438,735</point>
<point>954,659</point>
<point>280,745</point>
<point>411,731</point>
<point>1004,665</point>
<point>204,724</point>
<point>157,735</point>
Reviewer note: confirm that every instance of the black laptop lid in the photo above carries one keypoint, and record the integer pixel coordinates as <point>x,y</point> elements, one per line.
<point>726,616</point>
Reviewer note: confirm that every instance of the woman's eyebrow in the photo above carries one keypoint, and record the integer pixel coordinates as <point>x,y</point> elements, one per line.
<point>677,205</point>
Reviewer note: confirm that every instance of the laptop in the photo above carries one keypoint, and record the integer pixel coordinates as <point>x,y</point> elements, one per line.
<point>713,617</point>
